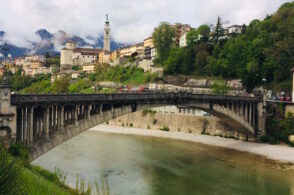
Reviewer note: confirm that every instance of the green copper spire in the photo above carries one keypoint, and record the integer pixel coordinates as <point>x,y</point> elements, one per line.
<point>107,21</point>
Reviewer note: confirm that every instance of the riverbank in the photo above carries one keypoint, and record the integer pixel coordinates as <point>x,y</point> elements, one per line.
<point>280,153</point>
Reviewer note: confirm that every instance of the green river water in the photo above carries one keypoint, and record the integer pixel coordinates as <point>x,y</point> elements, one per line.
<point>146,165</point>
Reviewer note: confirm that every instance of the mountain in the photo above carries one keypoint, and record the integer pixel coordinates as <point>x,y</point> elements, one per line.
<point>53,43</point>
<point>44,34</point>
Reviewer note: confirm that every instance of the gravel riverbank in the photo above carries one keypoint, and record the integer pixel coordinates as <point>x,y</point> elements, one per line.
<point>280,153</point>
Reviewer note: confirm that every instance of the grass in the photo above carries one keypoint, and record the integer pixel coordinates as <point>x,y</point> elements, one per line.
<point>38,184</point>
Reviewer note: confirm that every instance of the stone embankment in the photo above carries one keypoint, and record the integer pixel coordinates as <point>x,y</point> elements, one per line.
<point>177,123</point>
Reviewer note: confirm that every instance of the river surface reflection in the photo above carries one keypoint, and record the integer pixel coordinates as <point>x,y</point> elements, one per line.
<point>146,165</point>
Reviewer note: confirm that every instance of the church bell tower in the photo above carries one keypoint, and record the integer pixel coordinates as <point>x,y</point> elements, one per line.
<point>107,35</point>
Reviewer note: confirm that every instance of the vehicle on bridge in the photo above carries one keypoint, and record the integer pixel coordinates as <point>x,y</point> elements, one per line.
<point>137,89</point>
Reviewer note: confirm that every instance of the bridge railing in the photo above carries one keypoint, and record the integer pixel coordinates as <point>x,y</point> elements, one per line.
<point>18,99</point>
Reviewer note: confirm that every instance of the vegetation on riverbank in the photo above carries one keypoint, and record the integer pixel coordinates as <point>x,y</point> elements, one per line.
<point>18,176</point>
<point>41,84</point>
<point>262,51</point>
<point>280,130</point>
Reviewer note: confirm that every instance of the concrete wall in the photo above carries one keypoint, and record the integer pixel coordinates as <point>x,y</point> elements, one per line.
<point>187,124</point>
<point>289,109</point>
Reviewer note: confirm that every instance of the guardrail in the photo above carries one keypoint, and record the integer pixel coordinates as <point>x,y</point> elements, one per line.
<point>17,99</point>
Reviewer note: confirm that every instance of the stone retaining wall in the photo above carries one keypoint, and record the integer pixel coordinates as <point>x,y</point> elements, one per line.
<point>187,124</point>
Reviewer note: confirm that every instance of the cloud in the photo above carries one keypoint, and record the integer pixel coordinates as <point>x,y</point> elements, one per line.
<point>131,20</point>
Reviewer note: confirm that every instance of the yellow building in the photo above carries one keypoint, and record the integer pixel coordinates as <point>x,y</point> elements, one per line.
<point>114,55</point>
<point>148,43</point>
<point>89,68</point>
<point>104,57</point>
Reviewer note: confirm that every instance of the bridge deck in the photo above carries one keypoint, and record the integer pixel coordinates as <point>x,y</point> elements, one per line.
<point>20,99</point>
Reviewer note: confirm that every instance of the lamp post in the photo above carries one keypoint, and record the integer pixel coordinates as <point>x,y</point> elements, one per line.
<point>5,50</point>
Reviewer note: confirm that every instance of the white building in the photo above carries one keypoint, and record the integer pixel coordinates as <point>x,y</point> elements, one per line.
<point>235,29</point>
<point>183,40</point>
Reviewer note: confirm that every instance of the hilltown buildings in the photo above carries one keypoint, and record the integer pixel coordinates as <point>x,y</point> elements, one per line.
<point>71,55</point>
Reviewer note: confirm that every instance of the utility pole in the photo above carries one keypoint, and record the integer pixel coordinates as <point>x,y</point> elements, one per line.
<point>5,50</point>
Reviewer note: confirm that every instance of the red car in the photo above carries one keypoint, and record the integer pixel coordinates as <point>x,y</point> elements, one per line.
<point>288,99</point>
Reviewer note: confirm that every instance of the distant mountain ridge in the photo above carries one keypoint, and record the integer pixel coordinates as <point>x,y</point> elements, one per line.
<point>53,42</point>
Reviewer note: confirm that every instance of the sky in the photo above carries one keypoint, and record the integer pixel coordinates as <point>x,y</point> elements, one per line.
<point>131,20</point>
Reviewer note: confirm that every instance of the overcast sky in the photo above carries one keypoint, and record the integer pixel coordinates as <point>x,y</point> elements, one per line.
<point>131,20</point>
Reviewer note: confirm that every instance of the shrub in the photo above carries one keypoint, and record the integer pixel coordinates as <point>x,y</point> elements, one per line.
<point>148,111</point>
<point>18,150</point>
<point>11,181</point>
<point>165,128</point>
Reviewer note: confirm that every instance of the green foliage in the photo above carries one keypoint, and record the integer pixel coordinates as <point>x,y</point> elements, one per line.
<point>280,130</point>
<point>163,37</point>
<point>204,30</point>
<point>61,85</point>
<point>165,128</point>
<point>125,75</point>
<point>19,151</point>
<point>11,181</point>
<point>148,111</point>
<point>77,68</point>
<point>78,86</point>
<point>52,61</point>
<point>41,87</point>
<point>219,31</point>
<point>192,38</point>
<point>220,88</point>
<point>19,82</point>
<point>180,61</point>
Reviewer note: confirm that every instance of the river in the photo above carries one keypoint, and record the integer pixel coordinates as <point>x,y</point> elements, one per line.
<point>148,165</point>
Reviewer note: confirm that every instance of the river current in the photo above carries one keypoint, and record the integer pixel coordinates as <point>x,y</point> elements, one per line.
<point>156,166</point>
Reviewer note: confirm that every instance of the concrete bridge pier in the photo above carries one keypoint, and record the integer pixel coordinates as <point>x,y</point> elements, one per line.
<point>261,118</point>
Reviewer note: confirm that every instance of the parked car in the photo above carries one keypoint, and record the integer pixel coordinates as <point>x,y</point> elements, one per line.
<point>288,98</point>
<point>282,98</point>
<point>274,97</point>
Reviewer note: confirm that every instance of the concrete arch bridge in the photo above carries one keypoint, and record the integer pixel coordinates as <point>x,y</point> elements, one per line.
<point>42,122</point>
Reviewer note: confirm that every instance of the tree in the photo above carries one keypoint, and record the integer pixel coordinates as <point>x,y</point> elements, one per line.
<point>219,31</point>
<point>192,38</point>
<point>173,64</point>
<point>204,30</point>
<point>48,54</point>
<point>163,37</point>
<point>61,85</point>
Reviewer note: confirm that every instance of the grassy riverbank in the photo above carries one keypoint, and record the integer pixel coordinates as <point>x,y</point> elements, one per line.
<point>40,181</point>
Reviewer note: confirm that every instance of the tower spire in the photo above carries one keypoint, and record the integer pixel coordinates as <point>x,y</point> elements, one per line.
<point>107,34</point>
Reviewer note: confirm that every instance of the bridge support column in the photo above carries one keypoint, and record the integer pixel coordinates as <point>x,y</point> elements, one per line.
<point>46,122</point>
<point>25,129</point>
<point>76,116</point>
<point>54,118</point>
<point>89,108</point>
<point>58,118</point>
<point>62,118</point>
<point>246,112</point>
<point>31,130</point>
<point>261,119</point>
<point>250,114</point>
